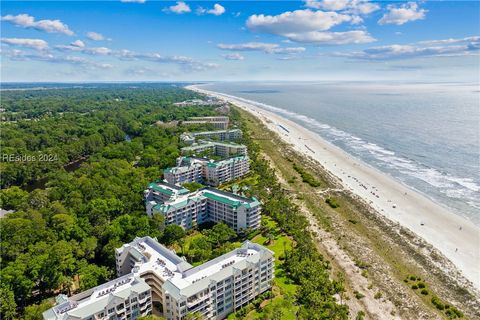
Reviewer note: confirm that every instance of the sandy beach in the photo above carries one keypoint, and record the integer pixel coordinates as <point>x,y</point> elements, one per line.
<point>457,238</point>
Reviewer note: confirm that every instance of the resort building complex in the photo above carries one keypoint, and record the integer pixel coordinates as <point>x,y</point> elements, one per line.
<point>217,122</point>
<point>152,275</point>
<point>204,205</point>
<point>127,297</point>
<point>215,148</point>
<point>210,101</point>
<point>162,191</point>
<point>209,172</point>
<point>219,135</point>
<point>212,290</point>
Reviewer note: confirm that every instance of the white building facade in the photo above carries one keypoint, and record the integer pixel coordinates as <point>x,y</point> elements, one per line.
<point>150,274</point>
<point>208,204</point>
<point>218,122</point>
<point>127,297</point>
<point>213,289</point>
<point>222,149</point>
<point>209,172</point>
<point>217,135</point>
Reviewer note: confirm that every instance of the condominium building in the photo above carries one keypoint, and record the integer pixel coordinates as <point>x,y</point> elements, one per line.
<point>127,297</point>
<point>219,135</point>
<point>210,172</point>
<point>208,204</point>
<point>161,191</point>
<point>217,122</point>
<point>150,274</point>
<point>188,169</point>
<point>211,101</point>
<point>222,149</point>
<point>222,171</point>
<point>213,289</point>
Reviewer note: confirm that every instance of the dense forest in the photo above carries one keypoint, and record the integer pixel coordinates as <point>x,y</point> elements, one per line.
<point>59,126</point>
<point>60,238</point>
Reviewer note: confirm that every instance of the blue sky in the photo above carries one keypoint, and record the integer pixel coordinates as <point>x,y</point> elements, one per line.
<point>136,40</point>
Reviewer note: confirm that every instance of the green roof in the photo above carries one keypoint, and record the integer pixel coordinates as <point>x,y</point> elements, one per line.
<point>167,191</point>
<point>177,205</point>
<point>224,161</point>
<point>158,188</point>
<point>253,203</point>
<point>225,200</point>
<point>216,131</point>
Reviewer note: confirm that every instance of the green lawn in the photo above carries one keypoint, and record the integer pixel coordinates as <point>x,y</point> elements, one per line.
<point>282,287</point>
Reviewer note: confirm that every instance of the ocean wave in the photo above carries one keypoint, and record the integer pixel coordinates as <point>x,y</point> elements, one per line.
<point>450,186</point>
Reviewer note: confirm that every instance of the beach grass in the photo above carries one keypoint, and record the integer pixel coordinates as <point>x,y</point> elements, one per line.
<point>350,216</point>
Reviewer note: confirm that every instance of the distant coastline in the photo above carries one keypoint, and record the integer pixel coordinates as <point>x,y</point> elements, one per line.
<point>457,238</point>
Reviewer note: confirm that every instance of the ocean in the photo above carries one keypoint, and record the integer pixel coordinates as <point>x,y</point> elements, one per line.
<point>424,135</point>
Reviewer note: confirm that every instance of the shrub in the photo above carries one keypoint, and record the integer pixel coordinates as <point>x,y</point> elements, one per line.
<point>424,292</point>
<point>413,278</point>
<point>360,315</point>
<point>306,177</point>
<point>351,220</point>
<point>332,202</point>
<point>421,285</point>
<point>358,295</point>
<point>377,295</point>
<point>241,313</point>
<point>453,313</point>
<point>437,303</point>
<point>414,287</point>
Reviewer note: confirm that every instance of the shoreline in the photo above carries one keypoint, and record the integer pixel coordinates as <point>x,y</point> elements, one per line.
<point>455,237</point>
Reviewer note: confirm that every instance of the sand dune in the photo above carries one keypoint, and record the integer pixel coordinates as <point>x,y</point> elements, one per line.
<point>457,238</point>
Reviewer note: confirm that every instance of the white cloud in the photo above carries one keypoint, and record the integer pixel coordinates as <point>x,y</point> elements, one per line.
<point>289,50</point>
<point>95,36</point>
<point>362,7</point>
<point>217,10</point>
<point>200,11</point>
<point>79,46</point>
<point>48,57</point>
<point>433,48</point>
<point>133,1</point>
<point>82,61</point>
<point>467,40</point>
<point>179,8</point>
<point>336,38</point>
<point>309,26</point>
<point>187,63</point>
<point>233,56</point>
<point>333,5</point>
<point>78,43</point>
<point>261,46</point>
<point>249,46</point>
<point>27,21</point>
<point>400,15</point>
<point>296,21</point>
<point>37,44</point>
